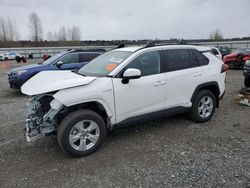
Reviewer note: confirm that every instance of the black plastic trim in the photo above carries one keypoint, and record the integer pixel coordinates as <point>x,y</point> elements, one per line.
<point>152,116</point>
<point>204,85</point>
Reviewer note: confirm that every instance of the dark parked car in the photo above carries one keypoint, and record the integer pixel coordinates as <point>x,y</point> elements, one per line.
<point>224,50</point>
<point>69,60</point>
<point>246,72</point>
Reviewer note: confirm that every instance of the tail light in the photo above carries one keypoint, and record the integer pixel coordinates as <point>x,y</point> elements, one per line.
<point>224,68</point>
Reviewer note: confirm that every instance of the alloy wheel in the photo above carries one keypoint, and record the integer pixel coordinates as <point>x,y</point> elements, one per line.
<point>84,135</point>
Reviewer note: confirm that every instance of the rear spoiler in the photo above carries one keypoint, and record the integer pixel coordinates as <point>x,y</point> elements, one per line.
<point>204,51</point>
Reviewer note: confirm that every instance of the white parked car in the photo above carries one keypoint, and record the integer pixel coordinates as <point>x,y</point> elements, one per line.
<point>122,87</point>
<point>2,56</point>
<point>9,56</point>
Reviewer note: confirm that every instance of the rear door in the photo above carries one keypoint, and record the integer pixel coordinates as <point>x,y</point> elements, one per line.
<point>183,75</point>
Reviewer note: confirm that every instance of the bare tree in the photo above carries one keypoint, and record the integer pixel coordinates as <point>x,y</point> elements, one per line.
<point>69,33</point>
<point>75,33</point>
<point>65,34</point>
<point>35,26</point>
<point>8,30</point>
<point>62,34</point>
<point>216,35</point>
<point>3,29</point>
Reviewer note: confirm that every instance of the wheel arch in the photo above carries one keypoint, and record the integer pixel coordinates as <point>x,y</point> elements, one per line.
<point>95,105</point>
<point>211,86</point>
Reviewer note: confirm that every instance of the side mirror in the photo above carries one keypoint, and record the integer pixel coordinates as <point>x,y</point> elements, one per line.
<point>130,74</point>
<point>59,64</point>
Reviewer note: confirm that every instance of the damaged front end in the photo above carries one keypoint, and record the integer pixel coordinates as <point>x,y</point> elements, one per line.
<point>42,112</point>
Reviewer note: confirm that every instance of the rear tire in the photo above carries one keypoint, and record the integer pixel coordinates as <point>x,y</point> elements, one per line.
<point>247,81</point>
<point>203,106</point>
<point>81,133</point>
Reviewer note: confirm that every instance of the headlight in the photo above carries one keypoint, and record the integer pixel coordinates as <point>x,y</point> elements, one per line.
<point>20,72</point>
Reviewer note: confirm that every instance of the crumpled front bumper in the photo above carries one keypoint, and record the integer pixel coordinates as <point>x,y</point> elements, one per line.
<point>39,123</point>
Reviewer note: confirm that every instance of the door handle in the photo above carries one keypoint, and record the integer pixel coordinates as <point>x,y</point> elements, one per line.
<point>159,83</point>
<point>197,74</point>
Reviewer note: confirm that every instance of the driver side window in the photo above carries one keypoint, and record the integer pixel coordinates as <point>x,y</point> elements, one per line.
<point>70,58</point>
<point>148,63</point>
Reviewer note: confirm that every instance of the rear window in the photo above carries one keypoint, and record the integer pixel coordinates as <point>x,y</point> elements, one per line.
<point>86,57</point>
<point>202,59</point>
<point>178,59</point>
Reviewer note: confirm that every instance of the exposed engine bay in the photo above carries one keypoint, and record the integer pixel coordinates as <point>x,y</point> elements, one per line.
<point>41,120</point>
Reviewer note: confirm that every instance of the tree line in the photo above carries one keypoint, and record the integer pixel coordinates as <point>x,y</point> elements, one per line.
<point>9,31</point>
<point>69,36</point>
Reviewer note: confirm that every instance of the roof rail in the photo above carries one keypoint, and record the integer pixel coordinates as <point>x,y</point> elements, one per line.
<point>154,44</point>
<point>119,46</point>
<point>87,50</point>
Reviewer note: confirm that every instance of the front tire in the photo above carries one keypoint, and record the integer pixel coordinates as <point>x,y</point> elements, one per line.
<point>81,133</point>
<point>203,106</point>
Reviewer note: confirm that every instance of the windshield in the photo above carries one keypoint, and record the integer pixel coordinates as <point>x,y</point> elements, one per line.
<point>244,51</point>
<point>104,64</point>
<point>52,59</point>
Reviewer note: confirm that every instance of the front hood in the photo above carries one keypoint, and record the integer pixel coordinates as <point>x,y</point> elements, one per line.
<point>26,67</point>
<point>49,81</point>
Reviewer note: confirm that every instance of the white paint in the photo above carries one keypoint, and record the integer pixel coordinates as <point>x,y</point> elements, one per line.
<point>140,96</point>
<point>48,81</point>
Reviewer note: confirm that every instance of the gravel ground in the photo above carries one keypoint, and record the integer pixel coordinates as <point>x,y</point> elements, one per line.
<point>172,152</point>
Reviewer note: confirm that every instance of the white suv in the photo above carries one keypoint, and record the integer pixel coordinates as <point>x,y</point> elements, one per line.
<point>121,87</point>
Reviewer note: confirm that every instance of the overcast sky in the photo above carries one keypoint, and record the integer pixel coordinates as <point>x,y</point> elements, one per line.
<point>134,19</point>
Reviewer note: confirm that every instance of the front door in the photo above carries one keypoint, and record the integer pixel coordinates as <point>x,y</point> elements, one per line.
<point>70,62</point>
<point>144,96</point>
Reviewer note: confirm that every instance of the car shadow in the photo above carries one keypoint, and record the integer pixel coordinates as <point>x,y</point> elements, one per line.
<point>149,126</point>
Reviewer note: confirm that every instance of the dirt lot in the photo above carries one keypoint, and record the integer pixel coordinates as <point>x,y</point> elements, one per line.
<point>173,152</point>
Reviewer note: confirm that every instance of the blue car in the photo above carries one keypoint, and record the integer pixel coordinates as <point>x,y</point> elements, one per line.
<point>69,60</point>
